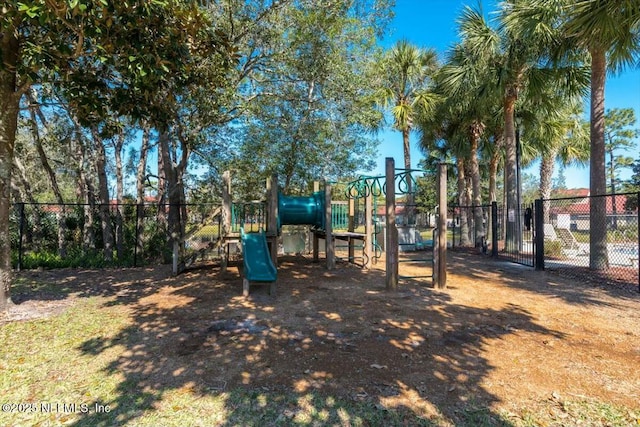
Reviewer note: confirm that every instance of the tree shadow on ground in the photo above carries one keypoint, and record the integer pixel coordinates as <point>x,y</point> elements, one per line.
<point>333,345</point>
<point>579,292</point>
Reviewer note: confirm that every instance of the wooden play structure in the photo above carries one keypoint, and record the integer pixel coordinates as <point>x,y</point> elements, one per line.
<point>260,246</point>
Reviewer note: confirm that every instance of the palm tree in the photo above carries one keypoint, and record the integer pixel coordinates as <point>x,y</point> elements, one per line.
<point>510,60</point>
<point>557,133</point>
<point>517,51</point>
<point>474,104</point>
<point>610,31</point>
<point>407,72</point>
<point>442,136</point>
<point>619,136</point>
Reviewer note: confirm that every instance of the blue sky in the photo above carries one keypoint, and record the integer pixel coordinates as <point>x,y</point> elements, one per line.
<point>432,23</point>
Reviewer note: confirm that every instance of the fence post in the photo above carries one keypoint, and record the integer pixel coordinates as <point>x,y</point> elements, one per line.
<point>453,228</point>
<point>21,232</point>
<point>538,229</point>
<point>494,229</point>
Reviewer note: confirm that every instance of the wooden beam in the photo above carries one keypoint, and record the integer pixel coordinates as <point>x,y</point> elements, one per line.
<point>272,214</point>
<point>352,227</point>
<point>440,273</point>
<point>328,240</point>
<point>391,244</point>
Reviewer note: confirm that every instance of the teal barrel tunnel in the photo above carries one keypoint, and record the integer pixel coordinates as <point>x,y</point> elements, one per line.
<point>301,210</point>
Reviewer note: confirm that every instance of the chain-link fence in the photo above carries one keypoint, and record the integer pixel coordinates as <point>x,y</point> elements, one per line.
<point>591,238</point>
<point>594,238</point>
<point>470,226</point>
<point>564,235</point>
<point>515,234</point>
<point>76,235</point>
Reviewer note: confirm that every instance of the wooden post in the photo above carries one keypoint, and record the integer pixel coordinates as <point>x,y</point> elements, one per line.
<point>226,202</point>
<point>316,240</point>
<point>351,227</point>
<point>272,225</point>
<point>226,217</point>
<point>391,244</point>
<point>440,273</point>
<point>245,287</point>
<point>316,247</point>
<point>328,229</point>
<point>368,229</point>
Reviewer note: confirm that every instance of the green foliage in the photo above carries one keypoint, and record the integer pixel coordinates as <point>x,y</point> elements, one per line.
<point>307,97</point>
<point>553,248</point>
<point>627,233</point>
<point>74,259</point>
<point>407,73</point>
<point>530,188</point>
<point>633,184</point>
<point>619,137</point>
<point>560,183</point>
<point>41,245</point>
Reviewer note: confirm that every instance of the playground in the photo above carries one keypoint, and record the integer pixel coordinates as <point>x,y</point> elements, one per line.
<point>343,333</point>
<point>501,345</point>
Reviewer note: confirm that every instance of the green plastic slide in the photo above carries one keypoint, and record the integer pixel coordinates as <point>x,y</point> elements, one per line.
<point>258,266</point>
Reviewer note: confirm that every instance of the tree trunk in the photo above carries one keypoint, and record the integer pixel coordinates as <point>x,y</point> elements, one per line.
<point>9,106</point>
<point>141,176</point>
<point>162,188</point>
<point>546,172</point>
<point>409,209</point>
<point>118,145</point>
<point>493,178</point>
<point>478,217</point>
<point>462,201</point>
<point>513,237</point>
<point>598,257</point>
<point>174,172</point>
<point>85,195</point>
<point>493,168</point>
<point>26,194</point>
<point>34,111</point>
<point>103,195</point>
<point>468,201</point>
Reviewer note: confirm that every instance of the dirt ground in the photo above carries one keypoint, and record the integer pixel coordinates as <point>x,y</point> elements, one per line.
<point>500,336</point>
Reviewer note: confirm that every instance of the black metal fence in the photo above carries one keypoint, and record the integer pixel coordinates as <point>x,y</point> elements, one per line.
<point>470,226</point>
<point>600,248</point>
<point>515,235</point>
<point>556,234</point>
<point>559,234</point>
<point>123,235</point>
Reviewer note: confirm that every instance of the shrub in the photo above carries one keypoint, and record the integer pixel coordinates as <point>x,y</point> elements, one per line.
<point>553,248</point>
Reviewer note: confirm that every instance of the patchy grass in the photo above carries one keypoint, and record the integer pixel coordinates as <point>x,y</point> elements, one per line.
<point>51,374</point>
<point>139,347</point>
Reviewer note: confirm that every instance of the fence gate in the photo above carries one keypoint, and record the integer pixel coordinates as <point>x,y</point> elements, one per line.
<point>515,234</point>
